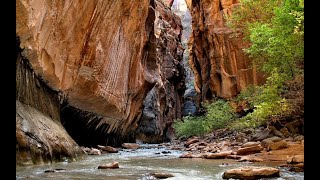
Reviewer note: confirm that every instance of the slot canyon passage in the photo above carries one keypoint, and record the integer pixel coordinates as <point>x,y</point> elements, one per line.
<point>155,89</point>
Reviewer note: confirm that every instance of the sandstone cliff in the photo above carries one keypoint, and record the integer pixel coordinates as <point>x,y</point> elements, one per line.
<point>95,52</point>
<point>97,57</point>
<point>164,102</point>
<point>40,136</point>
<point>220,66</point>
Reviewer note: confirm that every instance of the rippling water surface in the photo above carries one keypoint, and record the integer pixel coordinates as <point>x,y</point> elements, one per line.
<point>138,164</point>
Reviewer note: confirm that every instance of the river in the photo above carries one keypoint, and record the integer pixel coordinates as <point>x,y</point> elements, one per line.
<point>138,164</point>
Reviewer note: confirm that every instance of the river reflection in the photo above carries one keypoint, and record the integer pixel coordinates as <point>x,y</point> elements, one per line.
<point>138,164</point>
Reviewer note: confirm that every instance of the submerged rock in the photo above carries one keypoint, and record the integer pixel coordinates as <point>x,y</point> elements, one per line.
<point>54,170</point>
<point>112,165</point>
<point>162,175</point>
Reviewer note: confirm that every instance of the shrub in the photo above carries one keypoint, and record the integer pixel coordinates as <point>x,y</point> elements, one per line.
<point>219,114</point>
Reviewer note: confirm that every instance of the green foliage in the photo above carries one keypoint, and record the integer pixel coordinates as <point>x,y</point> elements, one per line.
<point>219,114</point>
<point>275,44</point>
<point>275,31</point>
<point>247,94</point>
<point>190,126</point>
<point>251,11</point>
<point>267,101</point>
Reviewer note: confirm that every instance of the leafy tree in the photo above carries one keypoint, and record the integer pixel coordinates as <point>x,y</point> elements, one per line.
<point>275,32</point>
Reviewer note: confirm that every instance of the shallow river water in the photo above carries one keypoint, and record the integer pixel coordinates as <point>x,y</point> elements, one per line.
<point>138,164</point>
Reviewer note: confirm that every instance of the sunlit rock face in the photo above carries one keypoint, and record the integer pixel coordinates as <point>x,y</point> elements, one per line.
<point>164,102</point>
<point>98,54</point>
<point>219,64</point>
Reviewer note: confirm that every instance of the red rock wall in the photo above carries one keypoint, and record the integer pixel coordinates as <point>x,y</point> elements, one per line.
<point>97,53</point>
<point>163,104</point>
<point>220,66</point>
<point>40,136</point>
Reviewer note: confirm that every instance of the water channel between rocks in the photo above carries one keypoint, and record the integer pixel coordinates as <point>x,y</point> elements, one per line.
<point>138,164</point>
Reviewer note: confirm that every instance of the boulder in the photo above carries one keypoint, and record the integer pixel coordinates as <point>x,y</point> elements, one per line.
<point>295,127</point>
<point>296,159</point>
<point>251,172</point>
<point>266,142</point>
<point>277,145</point>
<point>249,150</point>
<point>112,165</point>
<point>285,132</point>
<point>191,141</point>
<point>264,134</point>
<point>276,132</point>
<point>94,151</point>
<point>109,149</point>
<point>130,145</point>
<point>219,155</point>
<point>299,138</point>
<point>250,144</point>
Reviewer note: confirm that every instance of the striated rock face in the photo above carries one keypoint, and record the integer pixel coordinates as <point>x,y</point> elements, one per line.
<point>97,53</point>
<point>40,136</point>
<point>220,66</point>
<point>164,102</point>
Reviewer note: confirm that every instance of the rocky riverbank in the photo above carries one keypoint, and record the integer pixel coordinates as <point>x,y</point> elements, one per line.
<point>261,145</point>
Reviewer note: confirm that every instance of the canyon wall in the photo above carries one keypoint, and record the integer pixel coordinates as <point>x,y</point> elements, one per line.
<point>220,67</point>
<point>97,53</point>
<point>94,58</point>
<point>40,136</point>
<point>164,102</point>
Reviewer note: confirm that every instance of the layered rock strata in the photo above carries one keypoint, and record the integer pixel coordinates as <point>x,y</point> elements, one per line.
<point>97,53</point>
<point>98,58</point>
<point>40,136</point>
<point>220,67</point>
